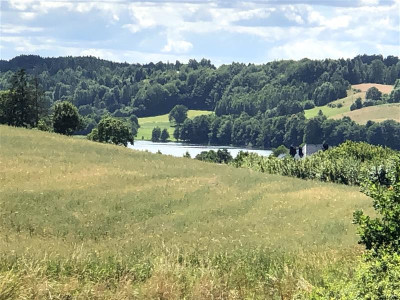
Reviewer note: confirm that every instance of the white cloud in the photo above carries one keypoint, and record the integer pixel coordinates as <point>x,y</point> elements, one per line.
<point>313,49</point>
<point>369,2</point>
<point>12,29</point>
<point>27,15</point>
<point>177,46</point>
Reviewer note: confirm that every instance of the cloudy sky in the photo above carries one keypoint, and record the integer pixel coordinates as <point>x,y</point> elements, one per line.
<point>224,31</point>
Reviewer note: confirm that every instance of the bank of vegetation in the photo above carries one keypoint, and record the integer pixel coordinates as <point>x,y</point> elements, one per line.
<point>350,163</point>
<point>255,105</point>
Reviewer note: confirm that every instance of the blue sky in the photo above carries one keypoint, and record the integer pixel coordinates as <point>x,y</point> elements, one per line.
<point>223,31</point>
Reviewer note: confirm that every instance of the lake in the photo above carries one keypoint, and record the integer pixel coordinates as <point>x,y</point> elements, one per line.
<point>179,149</point>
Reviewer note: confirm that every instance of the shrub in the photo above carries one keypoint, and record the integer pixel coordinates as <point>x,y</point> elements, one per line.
<point>156,134</point>
<point>280,150</point>
<point>111,130</point>
<point>349,163</point>
<point>66,118</point>
<point>308,104</point>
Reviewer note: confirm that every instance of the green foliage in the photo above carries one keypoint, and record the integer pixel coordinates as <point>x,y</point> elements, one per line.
<point>221,156</point>
<point>378,274</point>
<point>348,163</point>
<point>112,130</point>
<point>357,104</point>
<point>383,186</point>
<point>178,114</point>
<point>280,150</point>
<point>66,118</point>
<point>23,104</point>
<point>254,104</point>
<point>164,135</point>
<point>156,134</point>
<point>45,124</point>
<point>373,94</point>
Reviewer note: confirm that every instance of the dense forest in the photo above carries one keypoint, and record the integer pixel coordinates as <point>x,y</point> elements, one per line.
<point>255,105</point>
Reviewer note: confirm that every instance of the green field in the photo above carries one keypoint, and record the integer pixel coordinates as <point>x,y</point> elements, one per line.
<point>147,124</point>
<point>376,113</point>
<point>90,220</point>
<point>333,111</point>
<point>352,95</point>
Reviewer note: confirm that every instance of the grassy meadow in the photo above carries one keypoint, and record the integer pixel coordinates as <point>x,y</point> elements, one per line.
<point>80,219</point>
<point>147,124</point>
<point>378,113</point>
<point>358,90</point>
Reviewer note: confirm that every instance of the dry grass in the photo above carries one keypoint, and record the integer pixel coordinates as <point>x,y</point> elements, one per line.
<point>99,221</point>
<point>339,112</point>
<point>384,88</point>
<point>377,113</point>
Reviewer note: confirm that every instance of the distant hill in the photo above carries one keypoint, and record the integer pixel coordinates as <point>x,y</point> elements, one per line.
<point>341,107</point>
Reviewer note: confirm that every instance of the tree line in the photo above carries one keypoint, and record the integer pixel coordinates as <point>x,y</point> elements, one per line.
<point>255,105</point>
<point>276,88</point>
<point>24,105</point>
<point>263,132</point>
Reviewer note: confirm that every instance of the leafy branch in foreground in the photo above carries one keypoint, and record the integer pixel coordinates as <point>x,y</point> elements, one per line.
<point>383,187</point>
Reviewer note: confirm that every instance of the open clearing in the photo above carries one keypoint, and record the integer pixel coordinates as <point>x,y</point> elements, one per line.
<point>147,124</point>
<point>97,220</point>
<point>363,87</point>
<point>352,95</point>
<point>377,113</point>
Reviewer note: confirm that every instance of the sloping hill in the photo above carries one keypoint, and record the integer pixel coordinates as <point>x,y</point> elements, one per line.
<point>95,220</point>
<point>377,113</point>
<point>340,107</point>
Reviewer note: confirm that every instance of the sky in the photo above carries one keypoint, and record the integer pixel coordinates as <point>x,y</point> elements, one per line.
<point>224,31</point>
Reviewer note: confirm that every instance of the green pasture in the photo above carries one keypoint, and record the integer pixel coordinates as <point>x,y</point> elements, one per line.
<point>147,124</point>
<point>333,111</point>
<point>376,113</point>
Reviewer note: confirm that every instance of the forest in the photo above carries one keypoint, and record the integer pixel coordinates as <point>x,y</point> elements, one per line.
<point>255,105</point>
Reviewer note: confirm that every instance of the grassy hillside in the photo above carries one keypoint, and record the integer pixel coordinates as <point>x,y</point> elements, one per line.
<point>162,121</point>
<point>358,90</point>
<point>377,113</point>
<point>79,218</point>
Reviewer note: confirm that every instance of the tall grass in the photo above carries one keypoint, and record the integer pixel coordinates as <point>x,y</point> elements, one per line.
<point>80,219</point>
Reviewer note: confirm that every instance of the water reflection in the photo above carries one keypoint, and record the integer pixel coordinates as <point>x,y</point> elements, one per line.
<point>179,149</point>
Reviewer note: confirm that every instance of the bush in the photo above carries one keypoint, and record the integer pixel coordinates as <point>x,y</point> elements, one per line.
<point>356,105</point>
<point>156,134</point>
<point>308,104</point>
<point>221,156</point>
<point>348,163</point>
<point>111,130</point>
<point>66,118</point>
<point>378,275</point>
<point>280,150</point>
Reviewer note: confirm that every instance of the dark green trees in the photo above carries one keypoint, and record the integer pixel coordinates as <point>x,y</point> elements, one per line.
<point>357,104</point>
<point>23,104</point>
<point>156,134</point>
<point>164,135</point>
<point>178,114</point>
<point>373,94</point>
<point>112,130</point>
<point>66,118</point>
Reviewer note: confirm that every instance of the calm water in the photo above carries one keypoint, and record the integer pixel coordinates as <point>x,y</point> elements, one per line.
<point>178,149</point>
